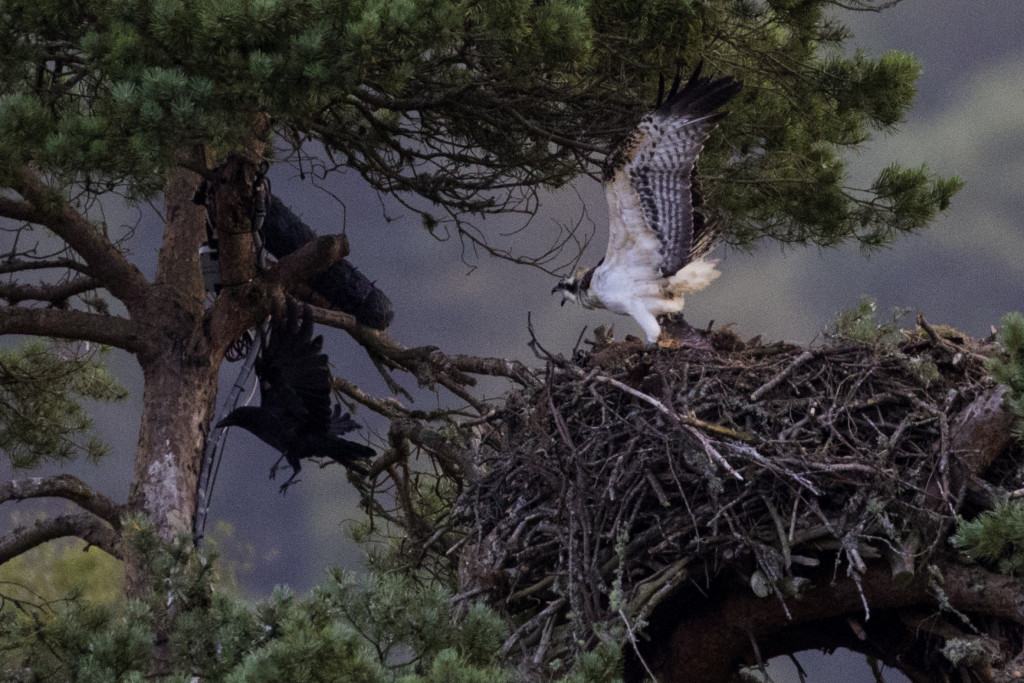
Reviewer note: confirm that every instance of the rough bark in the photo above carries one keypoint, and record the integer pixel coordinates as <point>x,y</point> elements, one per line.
<point>179,372</point>
<point>709,641</point>
<point>64,486</point>
<point>85,526</point>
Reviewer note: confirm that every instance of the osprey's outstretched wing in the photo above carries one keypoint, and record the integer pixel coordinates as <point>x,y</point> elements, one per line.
<point>650,180</point>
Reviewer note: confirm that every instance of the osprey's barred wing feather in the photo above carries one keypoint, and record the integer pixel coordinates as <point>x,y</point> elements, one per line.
<point>651,179</point>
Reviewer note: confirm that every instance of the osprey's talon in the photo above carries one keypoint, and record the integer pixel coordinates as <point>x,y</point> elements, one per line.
<point>665,342</point>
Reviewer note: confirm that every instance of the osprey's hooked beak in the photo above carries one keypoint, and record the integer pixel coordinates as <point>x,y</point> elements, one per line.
<point>561,287</point>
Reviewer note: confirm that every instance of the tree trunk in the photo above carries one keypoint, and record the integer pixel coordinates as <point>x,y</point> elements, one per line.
<point>184,349</point>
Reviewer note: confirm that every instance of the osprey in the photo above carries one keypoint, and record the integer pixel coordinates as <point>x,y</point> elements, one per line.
<point>657,240</point>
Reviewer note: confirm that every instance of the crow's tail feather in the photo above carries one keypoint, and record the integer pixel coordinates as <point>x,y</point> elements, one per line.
<point>352,455</point>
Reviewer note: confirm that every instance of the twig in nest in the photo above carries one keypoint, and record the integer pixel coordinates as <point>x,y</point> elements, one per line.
<point>636,647</point>
<point>713,452</point>
<point>685,419</point>
<point>781,377</point>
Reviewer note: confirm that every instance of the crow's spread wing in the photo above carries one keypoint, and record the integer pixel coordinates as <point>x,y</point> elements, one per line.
<point>295,381</point>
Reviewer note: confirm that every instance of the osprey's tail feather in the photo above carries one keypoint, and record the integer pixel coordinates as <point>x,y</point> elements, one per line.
<point>693,277</point>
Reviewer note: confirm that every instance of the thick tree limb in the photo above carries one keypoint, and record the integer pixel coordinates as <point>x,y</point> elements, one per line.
<point>121,277</point>
<point>708,643</point>
<point>981,432</point>
<point>14,293</point>
<point>17,266</point>
<point>976,438</point>
<point>18,210</point>
<point>63,486</point>
<point>241,306</point>
<point>313,258</point>
<point>85,526</point>
<point>71,324</point>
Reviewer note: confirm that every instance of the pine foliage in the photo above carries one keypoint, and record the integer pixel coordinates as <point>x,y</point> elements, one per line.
<point>1010,371</point>
<point>468,105</point>
<point>42,415</point>
<point>995,537</point>
<point>861,324</point>
<point>373,629</point>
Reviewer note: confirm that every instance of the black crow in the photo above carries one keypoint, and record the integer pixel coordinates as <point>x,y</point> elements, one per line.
<point>294,415</point>
<point>342,284</point>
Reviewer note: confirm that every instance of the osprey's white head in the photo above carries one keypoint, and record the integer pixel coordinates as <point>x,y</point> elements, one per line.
<point>576,288</point>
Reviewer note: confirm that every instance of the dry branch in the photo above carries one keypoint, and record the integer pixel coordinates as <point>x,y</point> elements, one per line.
<point>87,527</point>
<point>64,486</point>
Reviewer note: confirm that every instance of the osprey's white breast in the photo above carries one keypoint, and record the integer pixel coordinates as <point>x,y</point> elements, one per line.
<point>631,268</point>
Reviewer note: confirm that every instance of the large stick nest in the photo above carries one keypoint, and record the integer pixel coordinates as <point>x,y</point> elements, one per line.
<point>633,472</point>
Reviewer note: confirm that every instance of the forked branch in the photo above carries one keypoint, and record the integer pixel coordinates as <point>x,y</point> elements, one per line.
<point>121,277</point>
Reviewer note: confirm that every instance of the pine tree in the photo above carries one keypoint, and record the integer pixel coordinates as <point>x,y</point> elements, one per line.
<point>455,108</point>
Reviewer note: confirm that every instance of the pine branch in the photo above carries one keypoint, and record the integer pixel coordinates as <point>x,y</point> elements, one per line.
<point>416,360</point>
<point>85,526</point>
<point>14,293</point>
<point>12,265</point>
<point>67,487</point>
<point>18,210</point>
<point>121,277</point>
<point>71,324</point>
<point>426,363</point>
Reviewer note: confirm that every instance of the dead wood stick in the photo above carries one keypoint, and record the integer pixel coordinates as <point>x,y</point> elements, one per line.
<point>685,419</point>
<point>713,452</point>
<point>781,377</point>
<point>525,629</point>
